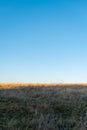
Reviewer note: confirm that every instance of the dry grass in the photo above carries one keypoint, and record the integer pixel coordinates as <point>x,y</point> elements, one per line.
<point>14,85</point>
<point>43,106</point>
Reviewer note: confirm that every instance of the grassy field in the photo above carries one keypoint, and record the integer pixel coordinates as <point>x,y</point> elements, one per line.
<point>43,107</point>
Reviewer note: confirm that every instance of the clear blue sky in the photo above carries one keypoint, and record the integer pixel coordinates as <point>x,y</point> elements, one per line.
<point>43,41</point>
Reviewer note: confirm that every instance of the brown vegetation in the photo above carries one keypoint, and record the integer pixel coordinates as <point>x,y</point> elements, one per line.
<point>12,85</point>
<point>43,106</point>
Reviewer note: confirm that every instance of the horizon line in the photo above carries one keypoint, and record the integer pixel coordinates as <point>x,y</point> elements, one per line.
<point>43,83</point>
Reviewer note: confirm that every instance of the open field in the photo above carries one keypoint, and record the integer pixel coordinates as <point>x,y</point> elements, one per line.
<point>43,107</point>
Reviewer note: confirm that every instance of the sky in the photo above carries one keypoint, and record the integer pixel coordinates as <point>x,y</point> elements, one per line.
<point>43,41</point>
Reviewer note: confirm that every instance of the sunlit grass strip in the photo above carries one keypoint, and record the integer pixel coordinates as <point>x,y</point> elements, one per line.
<point>15,85</point>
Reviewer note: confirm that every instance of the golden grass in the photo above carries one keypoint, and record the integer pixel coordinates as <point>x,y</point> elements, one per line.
<point>15,85</point>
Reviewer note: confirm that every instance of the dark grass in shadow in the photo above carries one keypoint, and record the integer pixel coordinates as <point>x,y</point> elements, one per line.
<point>43,108</point>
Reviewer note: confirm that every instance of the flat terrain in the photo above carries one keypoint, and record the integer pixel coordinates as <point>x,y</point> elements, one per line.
<point>43,107</point>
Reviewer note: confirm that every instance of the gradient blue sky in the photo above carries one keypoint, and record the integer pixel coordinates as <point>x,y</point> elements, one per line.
<point>43,41</point>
